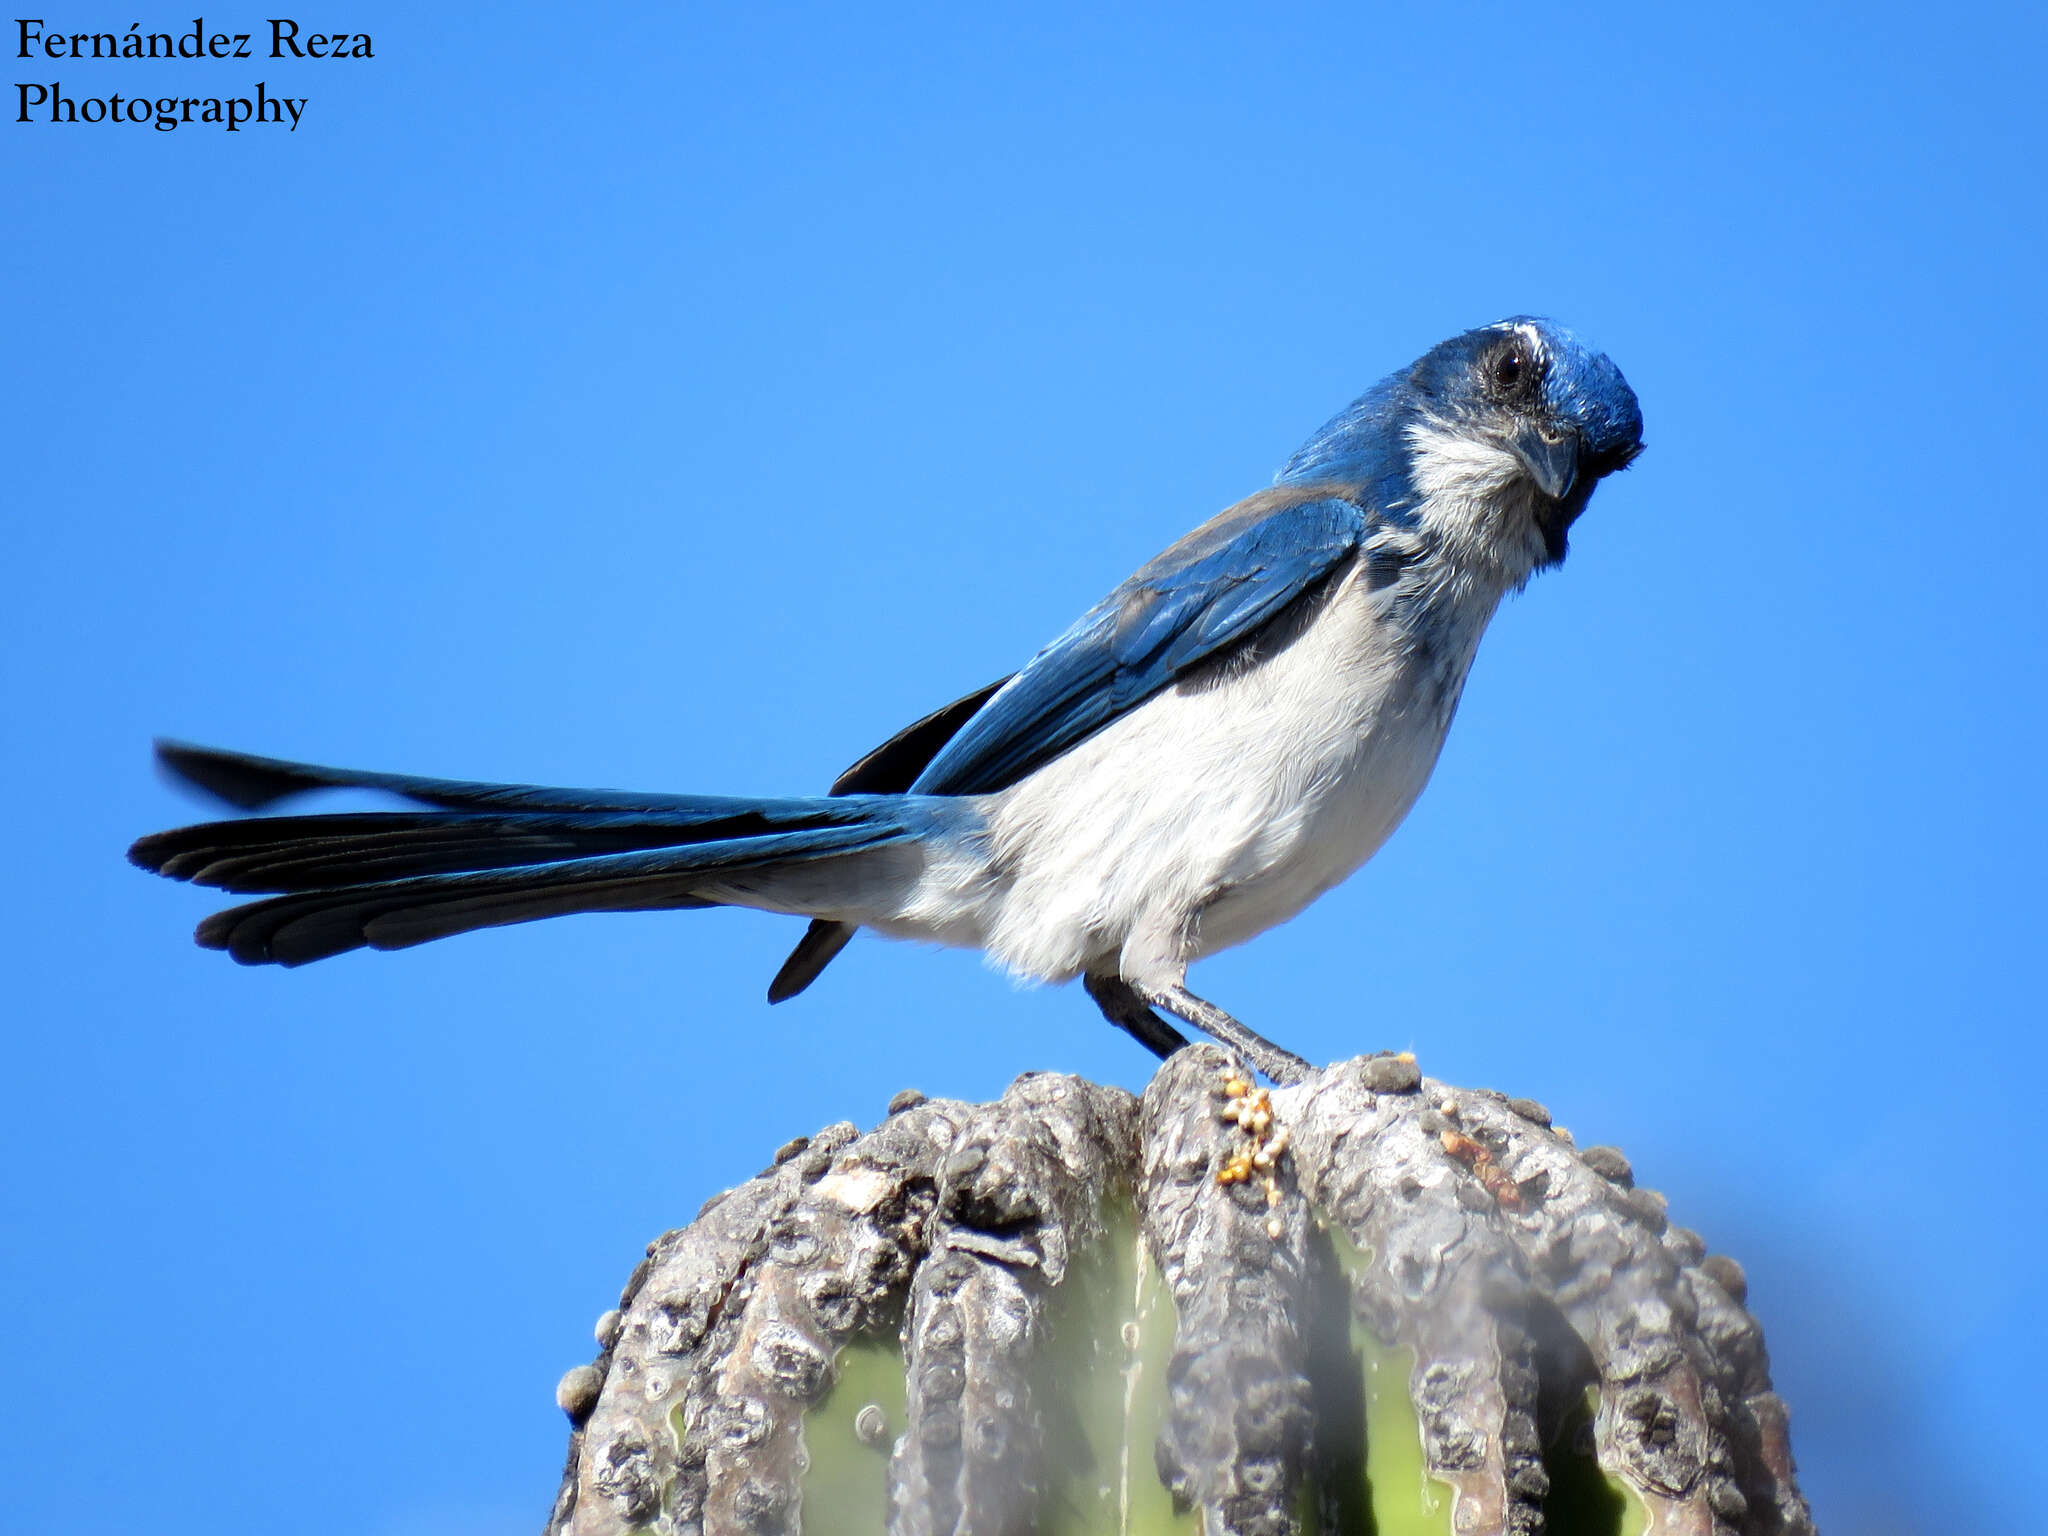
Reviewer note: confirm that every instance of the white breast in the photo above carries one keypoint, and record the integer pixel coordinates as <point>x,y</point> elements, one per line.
<point>1219,807</point>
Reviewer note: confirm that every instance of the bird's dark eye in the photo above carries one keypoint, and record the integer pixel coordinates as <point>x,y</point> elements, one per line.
<point>1509,367</point>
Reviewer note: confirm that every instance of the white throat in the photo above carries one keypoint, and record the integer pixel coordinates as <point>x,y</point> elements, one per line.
<point>1476,504</point>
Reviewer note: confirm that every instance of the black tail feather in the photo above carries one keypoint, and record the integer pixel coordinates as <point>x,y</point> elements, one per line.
<point>255,783</point>
<point>494,854</point>
<point>295,853</point>
<point>297,930</point>
<point>247,783</point>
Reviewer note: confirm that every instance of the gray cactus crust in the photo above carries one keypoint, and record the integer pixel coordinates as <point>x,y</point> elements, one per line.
<point>1417,1292</point>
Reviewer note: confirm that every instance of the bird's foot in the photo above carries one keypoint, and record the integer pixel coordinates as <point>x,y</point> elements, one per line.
<point>1123,1007</point>
<point>1275,1064</point>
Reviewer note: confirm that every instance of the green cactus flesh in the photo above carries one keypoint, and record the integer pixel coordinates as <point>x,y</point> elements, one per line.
<point>1583,1499</point>
<point>1100,1386</point>
<point>846,1486</point>
<point>1375,1485</point>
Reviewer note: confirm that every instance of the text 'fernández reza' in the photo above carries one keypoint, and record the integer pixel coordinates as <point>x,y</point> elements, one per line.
<point>283,38</point>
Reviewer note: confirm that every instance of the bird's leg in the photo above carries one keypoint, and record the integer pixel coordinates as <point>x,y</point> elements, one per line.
<point>1280,1066</point>
<point>1123,1007</point>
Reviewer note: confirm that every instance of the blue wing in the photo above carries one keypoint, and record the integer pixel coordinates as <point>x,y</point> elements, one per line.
<point>1215,588</point>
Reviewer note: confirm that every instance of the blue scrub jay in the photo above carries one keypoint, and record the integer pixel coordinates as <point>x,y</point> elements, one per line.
<point>1223,738</point>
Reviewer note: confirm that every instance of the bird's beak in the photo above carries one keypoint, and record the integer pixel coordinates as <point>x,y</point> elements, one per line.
<point>1552,457</point>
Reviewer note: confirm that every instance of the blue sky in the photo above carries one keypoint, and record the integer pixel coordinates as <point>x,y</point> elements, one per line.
<point>686,399</point>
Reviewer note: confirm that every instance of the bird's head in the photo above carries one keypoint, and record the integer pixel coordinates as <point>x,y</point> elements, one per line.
<point>1498,436</point>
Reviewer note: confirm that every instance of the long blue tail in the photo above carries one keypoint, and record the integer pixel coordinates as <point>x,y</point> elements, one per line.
<point>488,854</point>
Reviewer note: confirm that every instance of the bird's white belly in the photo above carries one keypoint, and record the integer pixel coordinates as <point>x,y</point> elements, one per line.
<point>1219,807</point>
